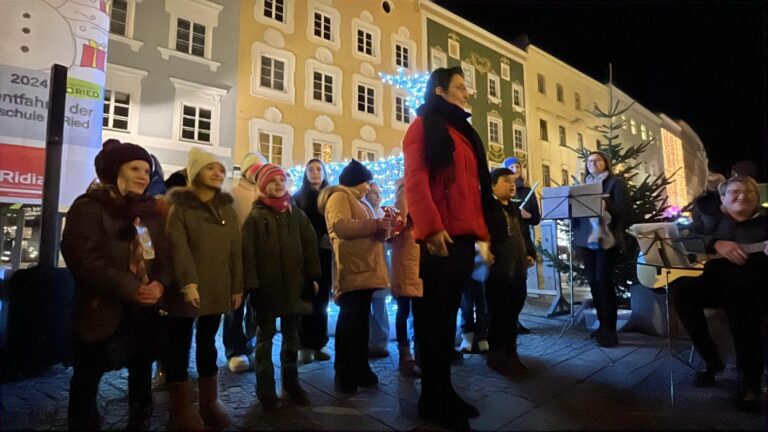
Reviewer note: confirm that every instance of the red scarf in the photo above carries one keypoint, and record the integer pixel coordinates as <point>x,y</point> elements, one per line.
<point>279,205</point>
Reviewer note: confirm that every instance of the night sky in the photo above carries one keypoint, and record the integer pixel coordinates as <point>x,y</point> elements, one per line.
<point>703,62</point>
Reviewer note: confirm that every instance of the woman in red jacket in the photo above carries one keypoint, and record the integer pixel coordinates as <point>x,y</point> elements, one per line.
<point>448,188</point>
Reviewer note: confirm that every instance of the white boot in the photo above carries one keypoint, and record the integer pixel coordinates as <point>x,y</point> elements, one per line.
<point>466,343</point>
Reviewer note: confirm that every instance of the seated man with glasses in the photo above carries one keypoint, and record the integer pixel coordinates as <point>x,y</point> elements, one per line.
<point>734,279</point>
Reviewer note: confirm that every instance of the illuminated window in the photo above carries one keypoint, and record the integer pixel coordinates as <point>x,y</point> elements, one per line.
<point>271,147</point>
<point>366,155</point>
<point>323,151</point>
<point>545,176</point>
<point>643,131</point>
<point>633,126</point>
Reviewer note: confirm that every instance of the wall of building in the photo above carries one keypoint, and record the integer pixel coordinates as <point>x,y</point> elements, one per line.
<point>290,116</point>
<point>147,66</point>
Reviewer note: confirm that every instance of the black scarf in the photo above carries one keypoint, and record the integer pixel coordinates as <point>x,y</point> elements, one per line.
<point>437,114</point>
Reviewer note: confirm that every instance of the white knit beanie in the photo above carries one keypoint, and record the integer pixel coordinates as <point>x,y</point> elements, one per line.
<point>198,158</point>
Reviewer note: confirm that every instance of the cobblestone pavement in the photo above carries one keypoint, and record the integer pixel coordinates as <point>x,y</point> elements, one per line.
<point>574,385</point>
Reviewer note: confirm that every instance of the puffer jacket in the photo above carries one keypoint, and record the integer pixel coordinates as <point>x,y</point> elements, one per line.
<point>96,245</point>
<point>357,241</point>
<point>405,258</point>
<point>207,251</point>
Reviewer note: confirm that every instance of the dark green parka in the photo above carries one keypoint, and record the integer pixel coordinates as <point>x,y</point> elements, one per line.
<point>280,260</point>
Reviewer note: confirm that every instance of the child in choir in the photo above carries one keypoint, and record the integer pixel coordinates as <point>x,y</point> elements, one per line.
<point>281,267</point>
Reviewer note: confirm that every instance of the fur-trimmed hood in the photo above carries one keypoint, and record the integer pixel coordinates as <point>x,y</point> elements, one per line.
<point>326,193</point>
<point>186,196</point>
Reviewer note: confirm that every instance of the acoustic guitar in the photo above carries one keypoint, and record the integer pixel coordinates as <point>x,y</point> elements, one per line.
<point>655,277</point>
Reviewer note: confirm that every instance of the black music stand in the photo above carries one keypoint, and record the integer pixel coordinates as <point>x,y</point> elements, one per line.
<point>662,249</point>
<point>568,203</point>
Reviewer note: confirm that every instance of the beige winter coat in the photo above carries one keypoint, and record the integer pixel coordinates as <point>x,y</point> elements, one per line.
<point>245,194</point>
<point>357,241</point>
<point>405,259</point>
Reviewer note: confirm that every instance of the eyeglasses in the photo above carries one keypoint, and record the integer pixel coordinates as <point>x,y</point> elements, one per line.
<point>733,193</point>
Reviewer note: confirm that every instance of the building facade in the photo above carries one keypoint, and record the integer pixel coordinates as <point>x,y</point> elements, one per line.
<point>494,73</point>
<point>309,83</point>
<point>171,77</point>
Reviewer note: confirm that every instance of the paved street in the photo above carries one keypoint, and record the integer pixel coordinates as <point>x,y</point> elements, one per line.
<point>573,386</point>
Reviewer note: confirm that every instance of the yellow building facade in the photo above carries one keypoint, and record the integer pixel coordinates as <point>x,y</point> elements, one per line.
<point>308,78</point>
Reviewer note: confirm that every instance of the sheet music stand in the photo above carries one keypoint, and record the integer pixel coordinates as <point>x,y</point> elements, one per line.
<point>568,203</point>
<point>662,249</point>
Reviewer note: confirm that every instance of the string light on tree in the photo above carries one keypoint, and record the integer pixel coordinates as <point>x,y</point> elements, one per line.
<point>415,85</point>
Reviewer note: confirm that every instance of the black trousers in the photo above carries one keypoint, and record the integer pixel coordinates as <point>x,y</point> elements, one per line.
<point>506,299</point>
<point>314,327</point>
<point>741,291</point>
<point>600,265</point>
<point>401,320</point>
<point>180,341</point>
<point>239,329</point>
<point>352,335</point>
<point>434,316</point>
<point>90,360</point>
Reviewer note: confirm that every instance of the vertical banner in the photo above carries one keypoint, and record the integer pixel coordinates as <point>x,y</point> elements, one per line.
<point>34,34</point>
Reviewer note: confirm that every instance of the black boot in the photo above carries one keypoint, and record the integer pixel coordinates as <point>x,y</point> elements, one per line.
<point>707,378</point>
<point>291,388</point>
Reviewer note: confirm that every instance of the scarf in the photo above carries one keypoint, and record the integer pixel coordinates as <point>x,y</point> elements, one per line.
<point>279,205</point>
<point>600,236</point>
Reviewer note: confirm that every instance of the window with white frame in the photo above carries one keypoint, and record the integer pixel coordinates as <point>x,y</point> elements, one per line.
<point>494,88</point>
<point>272,73</point>
<point>191,28</point>
<point>402,56</point>
<point>643,131</point>
<point>122,98</point>
<point>274,140</point>
<point>469,76</point>
<point>543,132</point>
<point>561,134</point>
<point>196,123</point>
<point>190,37</point>
<point>494,131</point>
<point>323,87</point>
<point>276,13</point>
<point>117,108</point>
<point>517,96</point>
<point>197,112</point>
<point>275,10</point>
<point>122,15</point>
<point>505,71</point>
<point>366,41</point>
<point>518,136</point>
<point>366,155</point>
<point>577,100</point>
<point>367,94</point>
<point>324,24</point>
<point>271,147</point>
<point>546,179</point>
<point>402,111</point>
<point>454,49</point>
<point>118,17</point>
<point>437,59</point>
<point>580,140</point>
<point>560,93</point>
<point>565,177</point>
<point>323,151</point>
<point>633,126</point>
<point>541,84</point>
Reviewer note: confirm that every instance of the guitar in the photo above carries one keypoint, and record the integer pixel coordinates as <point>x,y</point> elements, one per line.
<point>656,277</point>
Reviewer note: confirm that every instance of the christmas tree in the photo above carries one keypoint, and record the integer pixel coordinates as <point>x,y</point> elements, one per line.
<point>649,200</point>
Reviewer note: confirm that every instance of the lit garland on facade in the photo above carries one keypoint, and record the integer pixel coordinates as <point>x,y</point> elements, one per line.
<point>415,85</point>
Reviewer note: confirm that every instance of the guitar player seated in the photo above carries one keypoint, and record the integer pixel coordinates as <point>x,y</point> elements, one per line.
<point>735,280</point>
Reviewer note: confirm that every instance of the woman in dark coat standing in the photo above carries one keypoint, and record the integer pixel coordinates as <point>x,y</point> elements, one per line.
<point>314,327</point>
<point>119,279</point>
<point>600,240</point>
<point>448,190</point>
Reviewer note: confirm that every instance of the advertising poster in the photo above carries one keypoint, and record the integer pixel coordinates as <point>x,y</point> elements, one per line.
<point>34,34</point>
